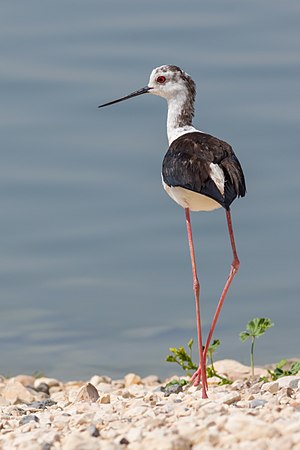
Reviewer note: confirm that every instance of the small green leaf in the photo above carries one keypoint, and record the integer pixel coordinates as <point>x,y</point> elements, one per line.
<point>244,335</point>
<point>281,363</point>
<point>278,372</point>
<point>265,379</point>
<point>213,347</point>
<point>295,367</point>
<point>210,372</point>
<point>170,358</point>
<point>258,326</point>
<point>225,381</point>
<point>190,344</point>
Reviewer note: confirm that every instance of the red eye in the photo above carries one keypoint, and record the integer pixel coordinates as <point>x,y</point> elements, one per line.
<point>161,79</point>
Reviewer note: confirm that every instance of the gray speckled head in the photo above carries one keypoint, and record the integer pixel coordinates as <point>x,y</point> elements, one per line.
<point>175,85</point>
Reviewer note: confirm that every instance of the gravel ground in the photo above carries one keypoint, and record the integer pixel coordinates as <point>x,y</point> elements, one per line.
<point>135,414</point>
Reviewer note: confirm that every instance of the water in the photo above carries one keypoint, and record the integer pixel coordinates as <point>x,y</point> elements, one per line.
<point>94,270</point>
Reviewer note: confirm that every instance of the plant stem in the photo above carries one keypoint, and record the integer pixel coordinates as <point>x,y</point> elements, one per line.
<point>252,356</point>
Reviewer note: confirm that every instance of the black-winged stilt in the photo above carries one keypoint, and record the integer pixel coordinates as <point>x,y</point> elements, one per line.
<point>200,173</point>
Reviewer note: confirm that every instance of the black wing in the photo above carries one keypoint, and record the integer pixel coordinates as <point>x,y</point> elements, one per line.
<point>187,164</point>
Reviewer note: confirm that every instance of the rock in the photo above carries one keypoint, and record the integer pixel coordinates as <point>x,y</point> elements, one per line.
<point>257,402</point>
<point>42,404</point>
<point>76,441</point>
<point>289,381</point>
<point>171,442</point>
<point>256,387</point>
<point>135,434</point>
<point>43,387</point>
<point>213,381</point>
<point>87,393</point>
<point>104,399</point>
<point>238,385</point>
<point>26,380</point>
<point>271,387</point>
<point>49,381</point>
<point>46,446</point>
<point>29,418</point>
<point>124,441</point>
<point>15,392</point>
<point>234,370</point>
<point>230,398</point>
<point>151,398</point>
<point>61,397</point>
<point>132,378</point>
<point>172,389</point>
<point>97,379</point>
<point>151,380</point>
<point>249,428</point>
<point>93,430</point>
<point>3,401</point>
<point>104,387</point>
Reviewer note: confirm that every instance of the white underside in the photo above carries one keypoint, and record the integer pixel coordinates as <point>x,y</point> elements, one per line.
<point>189,199</point>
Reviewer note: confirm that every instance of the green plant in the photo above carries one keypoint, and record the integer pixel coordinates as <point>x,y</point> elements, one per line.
<point>184,359</point>
<point>254,329</point>
<point>210,370</point>
<point>279,370</point>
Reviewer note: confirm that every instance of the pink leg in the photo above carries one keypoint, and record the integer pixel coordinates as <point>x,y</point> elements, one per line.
<point>197,292</point>
<point>233,270</point>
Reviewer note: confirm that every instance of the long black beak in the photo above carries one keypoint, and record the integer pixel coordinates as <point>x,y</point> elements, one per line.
<point>144,90</point>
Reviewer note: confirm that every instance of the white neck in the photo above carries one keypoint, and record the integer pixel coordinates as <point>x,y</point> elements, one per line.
<point>177,123</point>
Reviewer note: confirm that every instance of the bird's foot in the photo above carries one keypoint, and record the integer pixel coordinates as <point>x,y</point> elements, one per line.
<point>196,377</point>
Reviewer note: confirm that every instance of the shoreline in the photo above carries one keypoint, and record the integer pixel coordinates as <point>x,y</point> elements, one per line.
<point>133,413</point>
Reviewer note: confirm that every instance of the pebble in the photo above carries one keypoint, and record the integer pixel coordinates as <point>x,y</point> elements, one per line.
<point>14,392</point>
<point>87,393</point>
<point>104,398</point>
<point>134,414</point>
<point>257,402</point>
<point>172,389</point>
<point>272,387</point>
<point>29,418</point>
<point>93,430</point>
<point>230,398</point>
<point>132,378</point>
<point>51,382</point>
<point>289,381</point>
<point>26,380</point>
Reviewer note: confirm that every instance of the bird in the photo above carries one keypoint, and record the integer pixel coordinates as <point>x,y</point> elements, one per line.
<point>200,173</point>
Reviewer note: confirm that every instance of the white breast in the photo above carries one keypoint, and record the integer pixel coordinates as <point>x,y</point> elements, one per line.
<point>189,199</point>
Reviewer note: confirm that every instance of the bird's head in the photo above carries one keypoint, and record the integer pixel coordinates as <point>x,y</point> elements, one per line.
<point>171,81</point>
<point>165,81</point>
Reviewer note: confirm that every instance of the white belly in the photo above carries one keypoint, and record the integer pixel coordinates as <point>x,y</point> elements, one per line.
<point>189,199</point>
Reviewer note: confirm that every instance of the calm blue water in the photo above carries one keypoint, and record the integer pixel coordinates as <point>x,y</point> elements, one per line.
<point>94,268</point>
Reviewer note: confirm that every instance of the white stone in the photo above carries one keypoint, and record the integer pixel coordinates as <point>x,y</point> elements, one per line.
<point>234,370</point>
<point>289,381</point>
<point>104,398</point>
<point>76,441</point>
<point>50,381</point>
<point>249,428</point>
<point>230,398</point>
<point>15,392</point>
<point>132,378</point>
<point>151,380</point>
<point>97,379</point>
<point>26,380</point>
<point>272,387</point>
